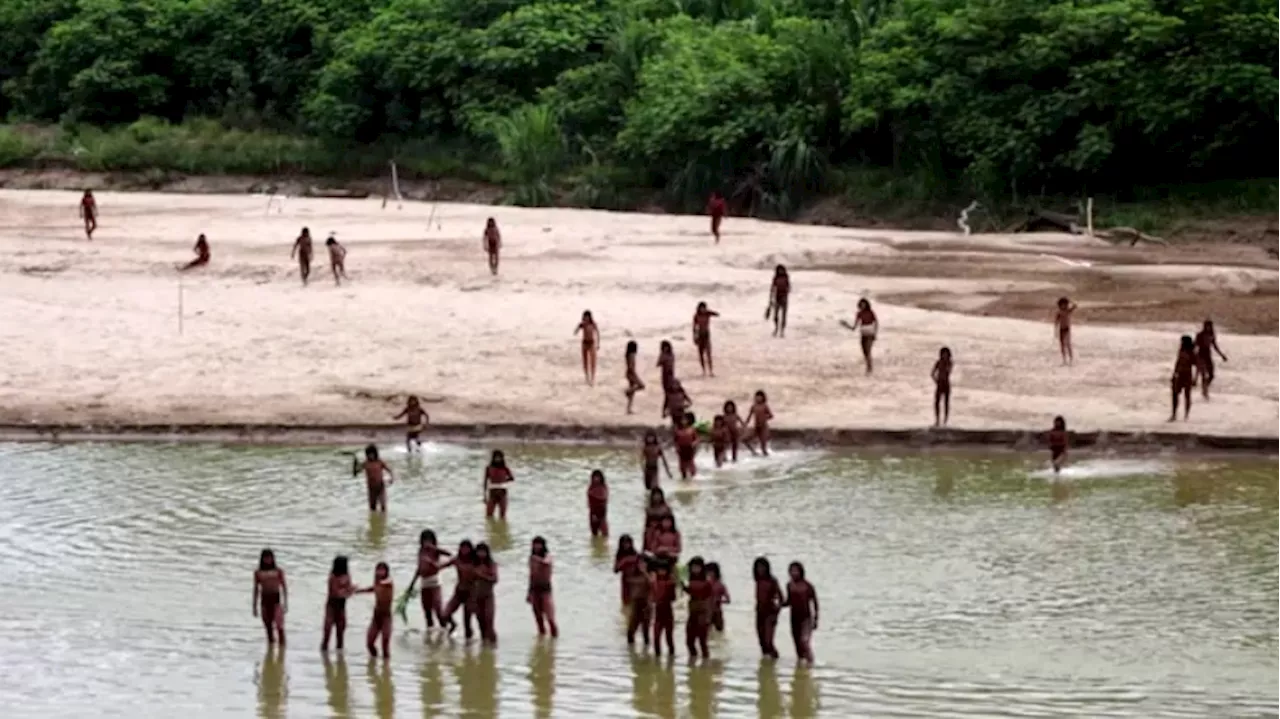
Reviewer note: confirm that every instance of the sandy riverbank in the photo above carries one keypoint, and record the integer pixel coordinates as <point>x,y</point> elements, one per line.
<point>90,333</point>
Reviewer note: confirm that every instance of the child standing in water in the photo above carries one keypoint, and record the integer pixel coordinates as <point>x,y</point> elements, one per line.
<point>663,590</point>
<point>633,378</point>
<point>384,595</point>
<point>702,337</point>
<point>666,541</point>
<point>492,244</point>
<point>1206,345</point>
<point>716,208</point>
<point>650,456</point>
<point>590,341</point>
<point>464,564</point>
<point>377,476</point>
<point>701,593</point>
<point>270,596</point>
<point>544,606</point>
<point>1184,376</point>
<point>302,251</point>
<point>1058,440</point>
<point>720,595</point>
<point>416,418</point>
<point>496,479</point>
<point>761,415</point>
<point>485,578</point>
<point>942,387</point>
<point>719,439</point>
<point>598,505</point>
<point>1062,327</point>
<point>769,601</point>
<point>89,213</point>
<point>779,293</point>
<point>430,562</point>
<point>866,324</point>
<point>335,605</point>
<point>202,254</point>
<point>686,441</point>
<point>803,600</point>
<point>736,429</point>
<point>337,259</point>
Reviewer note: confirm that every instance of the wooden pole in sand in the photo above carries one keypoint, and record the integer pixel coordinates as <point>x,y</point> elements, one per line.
<point>1088,215</point>
<point>180,304</point>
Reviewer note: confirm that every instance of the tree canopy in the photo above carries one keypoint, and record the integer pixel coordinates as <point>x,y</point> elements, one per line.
<point>755,97</point>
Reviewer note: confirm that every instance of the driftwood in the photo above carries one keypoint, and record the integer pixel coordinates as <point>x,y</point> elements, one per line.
<point>1049,221</point>
<point>336,194</point>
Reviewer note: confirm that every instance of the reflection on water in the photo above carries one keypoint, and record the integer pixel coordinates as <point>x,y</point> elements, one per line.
<point>542,678</point>
<point>972,585</point>
<point>338,685</point>
<point>272,684</point>
<point>382,687</point>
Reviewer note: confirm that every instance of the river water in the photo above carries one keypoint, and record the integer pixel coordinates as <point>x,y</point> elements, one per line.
<point>950,586</point>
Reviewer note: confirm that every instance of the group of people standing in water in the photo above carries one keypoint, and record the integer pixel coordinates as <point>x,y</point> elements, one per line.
<point>650,577</point>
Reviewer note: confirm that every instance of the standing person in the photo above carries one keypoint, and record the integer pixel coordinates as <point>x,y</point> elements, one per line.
<point>675,402</point>
<point>1184,376</point>
<point>720,595</point>
<point>719,439</point>
<point>1058,441</point>
<point>779,293</point>
<point>384,595</point>
<point>622,559</point>
<point>1062,328</point>
<point>89,213</point>
<point>337,259</point>
<point>302,251</point>
<point>335,604</point>
<point>662,589</point>
<point>1206,345</point>
<point>496,478</point>
<point>377,475</point>
<point>650,455</point>
<point>492,244</point>
<point>666,541</point>
<point>717,208</point>
<point>590,341</point>
<point>636,590</point>
<point>202,254</point>
<point>544,606</point>
<point>761,415</point>
<point>942,387</point>
<point>485,578</point>
<point>598,505</point>
<point>702,337</point>
<point>270,596</point>
<point>736,429</point>
<point>634,384</point>
<point>769,601</point>
<point>464,563</point>
<point>701,592</point>
<point>803,600</point>
<point>654,513</point>
<point>416,418</point>
<point>686,441</point>
<point>667,364</point>
<point>430,562</point>
<point>867,326</point>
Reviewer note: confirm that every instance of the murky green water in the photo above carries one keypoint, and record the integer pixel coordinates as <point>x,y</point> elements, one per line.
<point>948,586</point>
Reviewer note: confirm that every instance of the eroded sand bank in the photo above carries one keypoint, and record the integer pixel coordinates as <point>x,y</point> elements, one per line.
<point>90,330</point>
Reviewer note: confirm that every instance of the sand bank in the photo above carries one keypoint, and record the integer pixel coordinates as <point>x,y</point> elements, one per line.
<point>90,334</point>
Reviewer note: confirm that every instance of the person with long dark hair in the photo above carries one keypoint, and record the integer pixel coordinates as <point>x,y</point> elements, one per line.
<point>270,596</point>
<point>802,598</point>
<point>482,597</point>
<point>464,565</point>
<point>539,597</point>
<point>769,601</point>
<point>335,604</point>
<point>431,559</point>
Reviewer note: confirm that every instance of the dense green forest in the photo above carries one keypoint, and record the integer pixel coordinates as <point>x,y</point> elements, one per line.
<point>770,101</point>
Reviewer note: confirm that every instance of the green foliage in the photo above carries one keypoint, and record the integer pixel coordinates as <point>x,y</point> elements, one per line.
<point>760,99</point>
